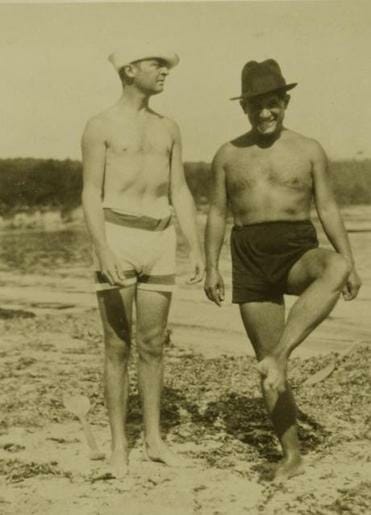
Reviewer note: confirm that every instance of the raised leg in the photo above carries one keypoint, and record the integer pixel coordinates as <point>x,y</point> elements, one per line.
<point>116,313</point>
<point>152,314</point>
<point>318,278</point>
<point>264,323</point>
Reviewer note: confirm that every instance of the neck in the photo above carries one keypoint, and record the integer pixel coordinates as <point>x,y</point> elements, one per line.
<point>134,99</point>
<point>266,140</point>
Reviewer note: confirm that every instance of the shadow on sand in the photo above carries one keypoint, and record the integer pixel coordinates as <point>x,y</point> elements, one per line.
<point>244,419</point>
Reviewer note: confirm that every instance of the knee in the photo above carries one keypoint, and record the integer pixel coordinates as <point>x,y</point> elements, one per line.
<point>117,346</point>
<point>150,344</point>
<point>337,269</point>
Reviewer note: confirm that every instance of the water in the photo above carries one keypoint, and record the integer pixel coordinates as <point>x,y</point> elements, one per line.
<point>53,251</point>
<point>44,252</point>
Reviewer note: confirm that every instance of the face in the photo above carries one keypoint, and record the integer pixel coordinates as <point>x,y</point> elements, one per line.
<point>266,113</point>
<point>149,75</point>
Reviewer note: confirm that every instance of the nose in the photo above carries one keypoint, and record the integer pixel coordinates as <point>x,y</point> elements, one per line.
<point>265,113</point>
<point>165,70</point>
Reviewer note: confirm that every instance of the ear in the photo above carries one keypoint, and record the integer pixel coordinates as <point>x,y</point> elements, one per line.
<point>287,100</point>
<point>130,70</point>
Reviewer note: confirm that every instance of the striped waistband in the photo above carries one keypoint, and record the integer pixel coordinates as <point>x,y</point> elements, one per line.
<point>137,222</point>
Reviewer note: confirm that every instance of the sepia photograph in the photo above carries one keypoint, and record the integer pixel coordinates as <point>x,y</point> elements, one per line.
<point>185,246</point>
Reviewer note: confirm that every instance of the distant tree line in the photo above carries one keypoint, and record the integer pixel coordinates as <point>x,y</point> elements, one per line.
<point>28,184</point>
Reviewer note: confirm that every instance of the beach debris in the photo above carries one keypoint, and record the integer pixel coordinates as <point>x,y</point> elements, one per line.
<point>79,405</point>
<point>16,471</point>
<point>6,313</point>
<point>13,447</point>
<point>325,372</point>
<point>105,476</point>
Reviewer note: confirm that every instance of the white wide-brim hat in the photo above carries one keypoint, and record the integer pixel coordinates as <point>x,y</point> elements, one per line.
<point>123,57</point>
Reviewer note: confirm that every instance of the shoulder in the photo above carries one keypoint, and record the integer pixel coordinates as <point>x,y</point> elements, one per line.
<point>172,127</point>
<point>312,148</point>
<point>96,127</point>
<point>223,155</point>
<point>167,123</point>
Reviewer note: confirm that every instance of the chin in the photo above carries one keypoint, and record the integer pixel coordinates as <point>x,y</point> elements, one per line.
<point>268,131</point>
<point>157,91</point>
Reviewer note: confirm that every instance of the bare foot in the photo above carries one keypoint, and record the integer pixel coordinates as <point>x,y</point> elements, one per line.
<point>288,468</point>
<point>274,372</point>
<point>96,455</point>
<point>119,464</point>
<point>161,453</point>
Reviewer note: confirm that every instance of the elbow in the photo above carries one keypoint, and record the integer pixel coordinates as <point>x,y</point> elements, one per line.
<point>181,197</point>
<point>327,209</point>
<point>218,212</point>
<point>90,196</point>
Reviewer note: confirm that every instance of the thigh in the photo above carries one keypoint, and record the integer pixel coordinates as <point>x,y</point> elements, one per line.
<point>116,310</point>
<point>152,308</point>
<point>264,323</point>
<point>307,269</point>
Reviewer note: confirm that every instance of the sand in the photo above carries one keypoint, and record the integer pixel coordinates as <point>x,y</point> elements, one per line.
<point>212,412</point>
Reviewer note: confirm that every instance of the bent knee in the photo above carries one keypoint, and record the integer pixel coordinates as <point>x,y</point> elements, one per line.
<point>337,269</point>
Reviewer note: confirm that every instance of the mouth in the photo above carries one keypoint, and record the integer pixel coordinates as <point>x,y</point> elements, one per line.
<point>266,126</point>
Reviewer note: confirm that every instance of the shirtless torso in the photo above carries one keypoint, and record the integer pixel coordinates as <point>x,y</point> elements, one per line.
<point>136,161</point>
<point>268,184</point>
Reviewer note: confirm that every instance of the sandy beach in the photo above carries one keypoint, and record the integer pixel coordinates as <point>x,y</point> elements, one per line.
<point>212,413</point>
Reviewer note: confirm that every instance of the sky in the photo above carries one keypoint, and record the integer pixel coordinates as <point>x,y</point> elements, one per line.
<point>55,74</point>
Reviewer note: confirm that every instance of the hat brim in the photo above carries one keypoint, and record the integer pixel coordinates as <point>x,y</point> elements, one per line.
<point>171,60</point>
<point>287,87</point>
<point>119,59</point>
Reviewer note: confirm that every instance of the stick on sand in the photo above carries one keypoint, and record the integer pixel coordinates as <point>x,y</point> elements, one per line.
<point>79,405</point>
<point>325,372</point>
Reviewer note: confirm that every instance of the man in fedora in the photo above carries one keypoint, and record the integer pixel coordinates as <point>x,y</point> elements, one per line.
<point>132,170</point>
<point>269,177</point>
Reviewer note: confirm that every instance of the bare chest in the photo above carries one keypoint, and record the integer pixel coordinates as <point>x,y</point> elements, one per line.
<point>251,170</point>
<point>139,140</point>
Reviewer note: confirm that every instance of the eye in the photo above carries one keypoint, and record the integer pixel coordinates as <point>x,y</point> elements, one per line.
<point>272,105</point>
<point>253,106</point>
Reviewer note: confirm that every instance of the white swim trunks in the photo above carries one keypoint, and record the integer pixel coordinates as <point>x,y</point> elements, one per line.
<point>146,248</point>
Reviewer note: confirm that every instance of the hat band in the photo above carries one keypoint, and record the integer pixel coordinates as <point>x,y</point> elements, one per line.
<point>261,85</point>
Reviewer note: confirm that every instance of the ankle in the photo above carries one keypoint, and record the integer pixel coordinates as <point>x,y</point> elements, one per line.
<point>292,455</point>
<point>152,441</point>
<point>121,446</point>
<point>281,355</point>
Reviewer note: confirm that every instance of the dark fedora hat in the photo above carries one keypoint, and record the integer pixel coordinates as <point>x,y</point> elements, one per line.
<point>260,78</point>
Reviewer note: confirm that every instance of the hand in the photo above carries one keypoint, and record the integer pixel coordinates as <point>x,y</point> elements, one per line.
<point>214,287</point>
<point>110,267</point>
<point>198,268</point>
<point>353,284</point>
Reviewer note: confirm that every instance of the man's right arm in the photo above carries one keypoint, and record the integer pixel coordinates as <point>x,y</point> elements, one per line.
<point>215,229</point>
<point>93,157</point>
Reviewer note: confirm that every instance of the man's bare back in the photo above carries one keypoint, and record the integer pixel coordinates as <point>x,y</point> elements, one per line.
<point>137,165</point>
<point>268,184</point>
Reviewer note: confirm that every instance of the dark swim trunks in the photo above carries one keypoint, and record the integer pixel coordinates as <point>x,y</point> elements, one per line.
<point>263,255</point>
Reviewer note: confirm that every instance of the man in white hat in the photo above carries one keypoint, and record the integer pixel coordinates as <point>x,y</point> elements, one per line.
<point>132,171</point>
<point>269,177</point>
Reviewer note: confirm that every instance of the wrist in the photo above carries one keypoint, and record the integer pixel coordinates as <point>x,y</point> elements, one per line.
<point>212,268</point>
<point>196,252</point>
<point>349,260</point>
<point>101,248</point>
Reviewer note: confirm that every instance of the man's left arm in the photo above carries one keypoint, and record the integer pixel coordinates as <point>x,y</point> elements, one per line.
<point>183,204</point>
<point>331,219</point>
